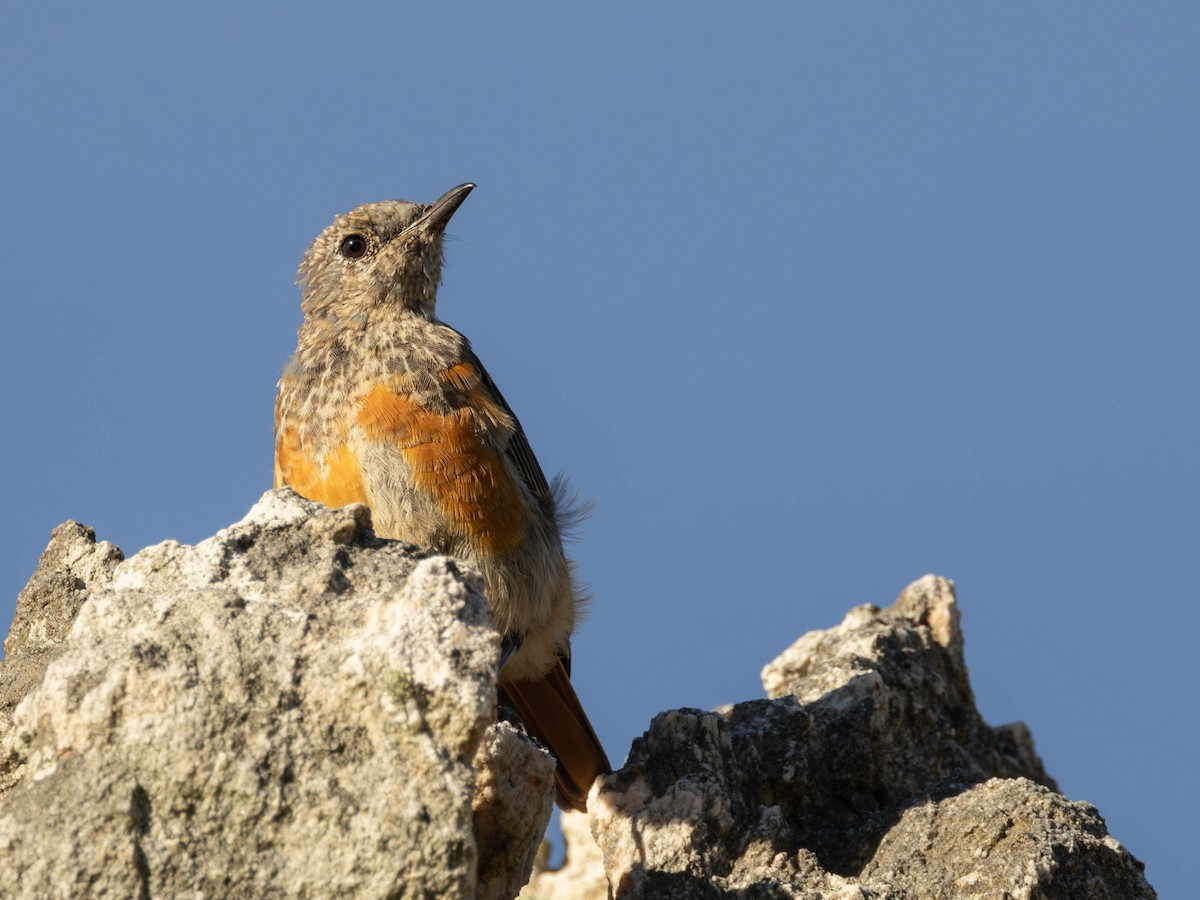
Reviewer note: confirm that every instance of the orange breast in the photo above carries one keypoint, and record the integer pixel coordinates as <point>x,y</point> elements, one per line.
<point>334,479</point>
<point>455,457</point>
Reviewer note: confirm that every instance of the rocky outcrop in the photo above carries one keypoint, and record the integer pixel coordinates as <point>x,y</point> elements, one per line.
<point>868,773</point>
<point>72,567</point>
<point>295,707</point>
<point>290,708</point>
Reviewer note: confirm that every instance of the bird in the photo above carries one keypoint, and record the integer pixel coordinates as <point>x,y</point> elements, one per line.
<point>382,403</point>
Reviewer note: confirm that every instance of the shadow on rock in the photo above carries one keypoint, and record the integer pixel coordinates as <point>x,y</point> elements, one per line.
<point>865,723</point>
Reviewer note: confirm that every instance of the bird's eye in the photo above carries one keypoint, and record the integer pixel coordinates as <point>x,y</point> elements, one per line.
<point>353,246</point>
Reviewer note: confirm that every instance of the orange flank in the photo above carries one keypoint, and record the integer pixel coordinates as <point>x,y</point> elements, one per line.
<point>335,481</point>
<point>466,379</point>
<point>455,457</point>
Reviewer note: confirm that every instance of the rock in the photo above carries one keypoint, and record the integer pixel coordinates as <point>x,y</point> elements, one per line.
<point>290,708</point>
<point>295,707</point>
<point>1005,837</point>
<point>513,799</point>
<point>72,566</point>
<point>869,747</point>
<point>581,876</point>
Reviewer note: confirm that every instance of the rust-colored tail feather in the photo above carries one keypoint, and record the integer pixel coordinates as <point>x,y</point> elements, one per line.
<point>552,713</point>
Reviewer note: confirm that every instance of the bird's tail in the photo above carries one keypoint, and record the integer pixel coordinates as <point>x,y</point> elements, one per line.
<point>553,714</point>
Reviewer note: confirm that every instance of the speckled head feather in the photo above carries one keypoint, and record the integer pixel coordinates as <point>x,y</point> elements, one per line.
<point>386,252</point>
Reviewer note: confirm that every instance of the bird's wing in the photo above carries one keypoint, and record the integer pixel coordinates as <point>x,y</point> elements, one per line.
<point>518,449</point>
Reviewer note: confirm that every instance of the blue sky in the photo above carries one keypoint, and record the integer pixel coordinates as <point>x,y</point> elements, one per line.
<point>810,299</point>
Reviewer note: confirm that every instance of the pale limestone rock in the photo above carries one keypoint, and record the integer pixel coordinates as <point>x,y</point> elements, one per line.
<point>297,708</point>
<point>290,708</point>
<point>72,566</point>
<point>513,799</point>
<point>581,876</point>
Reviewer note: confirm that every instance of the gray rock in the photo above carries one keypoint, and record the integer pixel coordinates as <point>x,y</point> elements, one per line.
<point>513,800</point>
<point>1005,838</point>
<point>72,566</point>
<point>871,742</point>
<point>290,708</point>
<point>295,707</point>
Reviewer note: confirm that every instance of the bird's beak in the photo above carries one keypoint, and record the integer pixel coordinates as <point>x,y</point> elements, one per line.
<point>438,215</point>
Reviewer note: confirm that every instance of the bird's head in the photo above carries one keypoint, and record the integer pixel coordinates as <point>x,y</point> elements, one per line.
<point>387,253</point>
